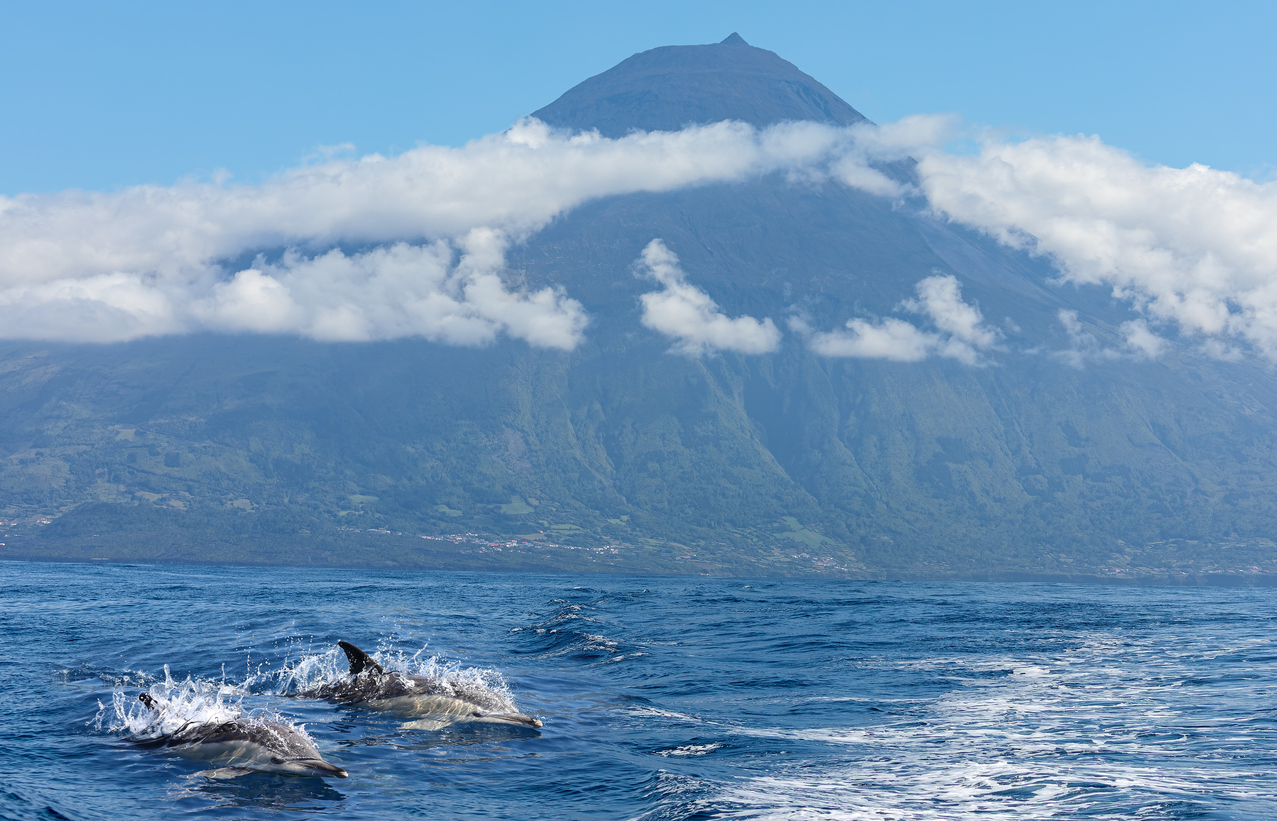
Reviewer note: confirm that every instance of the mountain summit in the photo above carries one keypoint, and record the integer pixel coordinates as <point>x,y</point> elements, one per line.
<point>667,88</point>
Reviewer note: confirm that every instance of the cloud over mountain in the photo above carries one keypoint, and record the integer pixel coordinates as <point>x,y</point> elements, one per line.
<point>961,335</point>
<point>688,314</point>
<point>1192,247</point>
<point>150,260</point>
<point>402,290</point>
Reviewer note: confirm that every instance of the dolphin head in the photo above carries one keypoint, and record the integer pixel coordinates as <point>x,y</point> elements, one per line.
<point>528,720</point>
<point>507,718</point>
<point>315,767</point>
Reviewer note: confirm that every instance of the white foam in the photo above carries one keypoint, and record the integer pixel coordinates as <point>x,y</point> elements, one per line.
<point>690,750</point>
<point>477,685</point>
<point>657,712</point>
<point>182,705</point>
<point>1094,731</point>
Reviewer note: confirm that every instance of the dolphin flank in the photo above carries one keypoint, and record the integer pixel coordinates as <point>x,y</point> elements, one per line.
<point>430,702</point>
<point>241,746</point>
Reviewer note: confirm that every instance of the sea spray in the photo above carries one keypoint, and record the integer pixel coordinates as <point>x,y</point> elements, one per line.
<point>484,687</point>
<point>182,707</point>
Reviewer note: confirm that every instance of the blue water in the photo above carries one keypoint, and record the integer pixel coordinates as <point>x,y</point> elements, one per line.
<point>661,698</point>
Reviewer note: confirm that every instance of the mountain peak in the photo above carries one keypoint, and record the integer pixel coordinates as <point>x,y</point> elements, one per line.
<point>667,88</point>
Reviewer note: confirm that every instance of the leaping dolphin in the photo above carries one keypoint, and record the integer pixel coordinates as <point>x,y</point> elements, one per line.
<point>241,746</point>
<point>409,696</point>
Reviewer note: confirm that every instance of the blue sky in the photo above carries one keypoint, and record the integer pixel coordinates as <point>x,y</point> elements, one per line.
<point>99,97</point>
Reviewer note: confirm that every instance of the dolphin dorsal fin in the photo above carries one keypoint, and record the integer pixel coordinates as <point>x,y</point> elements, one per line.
<point>359,660</point>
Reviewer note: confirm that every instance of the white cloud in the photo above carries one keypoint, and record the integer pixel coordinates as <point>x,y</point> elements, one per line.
<point>1142,341</point>
<point>1192,246</point>
<point>147,260</point>
<point>1219,350</point>
<point>940,298</point>
<point>963,334</point>
<point>890,338</point>
<point>1083,345</point>
<point>401,290</point>
<point>396,291</point>
<point>99,308</point>
<point>874,144</point>
<point>691,317</point>
<point>252,301</point>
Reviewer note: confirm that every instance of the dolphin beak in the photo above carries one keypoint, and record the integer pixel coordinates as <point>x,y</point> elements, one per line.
<point>322,767</point>
<point>522,719</point>
<point>510,718</point>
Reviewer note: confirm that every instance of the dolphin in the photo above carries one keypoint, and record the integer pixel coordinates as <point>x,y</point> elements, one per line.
<point>241,746</point>
<point>409,696</point>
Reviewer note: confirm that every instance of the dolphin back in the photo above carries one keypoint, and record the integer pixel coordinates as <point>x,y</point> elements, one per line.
<point>359,660</point>
<point>242,745</point>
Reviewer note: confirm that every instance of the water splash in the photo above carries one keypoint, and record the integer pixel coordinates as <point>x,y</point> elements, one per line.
<point>183,706</point>
<point>432,675</point>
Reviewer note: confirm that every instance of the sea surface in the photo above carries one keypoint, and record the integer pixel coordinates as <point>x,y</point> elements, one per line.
<point>662,698</point>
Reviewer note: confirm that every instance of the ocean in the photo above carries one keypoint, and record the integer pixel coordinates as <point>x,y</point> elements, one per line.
<point>661,698</point>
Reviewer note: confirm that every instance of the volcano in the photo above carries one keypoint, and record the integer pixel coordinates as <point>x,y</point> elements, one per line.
<point>623,455</point>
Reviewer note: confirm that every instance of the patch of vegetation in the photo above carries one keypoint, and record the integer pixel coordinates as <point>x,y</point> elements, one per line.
<point>516,507</point>
<point>803,535</point>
